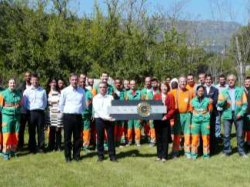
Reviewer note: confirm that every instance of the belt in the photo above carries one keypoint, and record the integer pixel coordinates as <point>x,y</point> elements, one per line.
<point>37,110</point>
<point>11,105</point>
<point>72,114</point>
<point>200,112</point>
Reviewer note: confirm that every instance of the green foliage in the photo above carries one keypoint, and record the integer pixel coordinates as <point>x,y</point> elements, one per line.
<point>56,43</point>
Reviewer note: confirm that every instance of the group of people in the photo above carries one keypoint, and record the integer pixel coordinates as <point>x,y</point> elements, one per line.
<point>193,119</point>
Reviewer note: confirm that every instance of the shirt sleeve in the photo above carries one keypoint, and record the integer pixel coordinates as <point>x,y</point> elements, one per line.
<point>85,100</point>
<point>45,99</point>
<point>25,100</point>
<point>96,108</point>
<point>170,103</point>
<point>1,102</point>
<point>62,101</point>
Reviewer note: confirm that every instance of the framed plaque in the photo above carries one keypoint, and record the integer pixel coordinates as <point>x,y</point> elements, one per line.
<point>137,109</point>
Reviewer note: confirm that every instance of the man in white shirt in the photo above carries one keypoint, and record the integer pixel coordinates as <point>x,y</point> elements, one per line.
<point>35,101</point>
<point>72,103</point>
<point>101,102</point>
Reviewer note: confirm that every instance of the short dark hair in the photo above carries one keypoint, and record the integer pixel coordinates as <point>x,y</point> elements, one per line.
<point>169,77</point>
<point>117,78</point>
<point>34,75</point>
<point>247,78</point>
<point>222,76</point>
<point>200,86</point>
<point>209,75</point>
<point>190,74</point>
<point>154,79</point>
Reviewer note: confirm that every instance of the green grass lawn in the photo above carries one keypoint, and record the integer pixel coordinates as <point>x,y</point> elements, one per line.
<point>136,167</point>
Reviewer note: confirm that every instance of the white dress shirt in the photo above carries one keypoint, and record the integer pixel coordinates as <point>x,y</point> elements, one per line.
<point>35,98</point>
<point>208,89</point>
<point>100,106</point>
<point>72,101</point>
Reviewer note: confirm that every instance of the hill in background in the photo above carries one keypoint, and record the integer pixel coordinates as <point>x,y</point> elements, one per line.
<point>212,35</point>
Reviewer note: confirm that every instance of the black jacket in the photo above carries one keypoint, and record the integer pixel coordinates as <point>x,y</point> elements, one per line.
<point>213,94</point>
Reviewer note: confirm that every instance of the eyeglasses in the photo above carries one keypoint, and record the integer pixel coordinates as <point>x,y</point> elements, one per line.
<point>104,87</point>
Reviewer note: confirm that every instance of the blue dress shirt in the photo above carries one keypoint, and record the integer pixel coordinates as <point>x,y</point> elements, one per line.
<point>232,96</point>
<point>35,98</point>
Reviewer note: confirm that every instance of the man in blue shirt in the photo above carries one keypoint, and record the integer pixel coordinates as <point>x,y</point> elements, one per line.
<point>35,101</point>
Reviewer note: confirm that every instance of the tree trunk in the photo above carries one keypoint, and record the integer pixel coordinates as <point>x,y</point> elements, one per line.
<point>240,68</point>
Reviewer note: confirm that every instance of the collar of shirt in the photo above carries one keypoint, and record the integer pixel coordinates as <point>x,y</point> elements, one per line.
<point>74,89</point>
<point>246,90</point>
<point>222,86</point>
<point>35,88</point>
<point>208,86</point>
<point>102,96</point>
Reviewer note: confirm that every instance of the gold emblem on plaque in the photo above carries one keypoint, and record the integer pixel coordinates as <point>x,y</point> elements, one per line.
<point>144,109</point>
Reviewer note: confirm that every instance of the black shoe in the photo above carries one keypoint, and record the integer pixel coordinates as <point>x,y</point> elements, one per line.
<point>41,151</point>
<point>113,159</point>
<point>225,155</point>
<point>77,159</point>
<point>68,160</point>
<point>33,152</point>
<point>100,159</point>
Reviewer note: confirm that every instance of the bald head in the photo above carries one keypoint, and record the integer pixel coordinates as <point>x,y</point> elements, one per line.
<point>132,85</point>
<point>182,82</point>
<point>148,82</point>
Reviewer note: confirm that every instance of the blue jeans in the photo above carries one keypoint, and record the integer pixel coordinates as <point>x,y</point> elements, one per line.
<point>239,132</point>
<point>217,124</point>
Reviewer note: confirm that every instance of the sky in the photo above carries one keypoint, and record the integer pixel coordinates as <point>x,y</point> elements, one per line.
<point>226,10</point>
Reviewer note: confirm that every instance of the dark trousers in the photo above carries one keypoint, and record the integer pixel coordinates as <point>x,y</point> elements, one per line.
<point>239,133</point>
<point>213,142</point>
<point>162,130</point>
<point>72,125</point>
<point>101,126</point>
<point>23,120</point>
<point>55,138</point>
<point>36,123</point>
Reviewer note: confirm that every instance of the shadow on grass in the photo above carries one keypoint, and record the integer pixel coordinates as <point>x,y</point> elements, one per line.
<point>23,151</point>
<point>133,153</point>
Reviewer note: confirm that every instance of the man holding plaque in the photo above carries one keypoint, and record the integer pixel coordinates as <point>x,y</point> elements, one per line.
<point>101,102</point>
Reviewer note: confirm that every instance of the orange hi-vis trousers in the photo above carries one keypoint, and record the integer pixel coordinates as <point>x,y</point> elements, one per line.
<point>202,128</point>
<point>150,130</point>
<point>119,131</point>
<point>182,126</point>
<point>134,125</point>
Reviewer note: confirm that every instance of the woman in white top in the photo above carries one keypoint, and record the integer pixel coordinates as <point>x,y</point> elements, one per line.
<point>54,116</point>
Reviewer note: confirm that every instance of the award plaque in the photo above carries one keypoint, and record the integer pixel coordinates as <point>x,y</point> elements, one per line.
<point>137,109</point>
